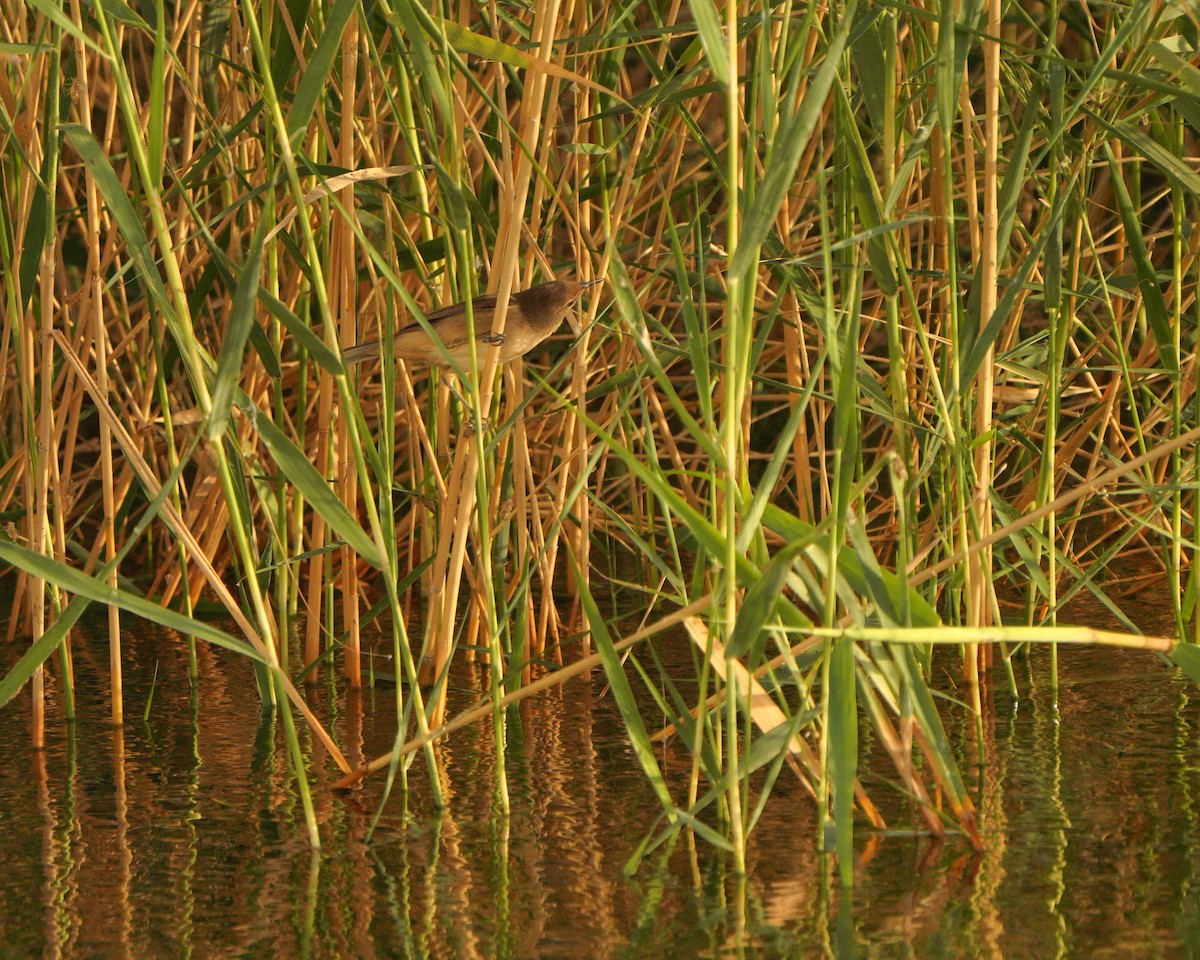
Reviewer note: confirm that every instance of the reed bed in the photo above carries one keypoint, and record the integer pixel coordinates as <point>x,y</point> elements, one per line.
<point>898,321</point>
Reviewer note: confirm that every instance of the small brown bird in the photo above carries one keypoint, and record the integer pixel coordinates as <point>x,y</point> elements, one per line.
<point>533,315</point>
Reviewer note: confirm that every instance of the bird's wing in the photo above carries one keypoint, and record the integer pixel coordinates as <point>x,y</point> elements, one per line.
<point>487,302</point>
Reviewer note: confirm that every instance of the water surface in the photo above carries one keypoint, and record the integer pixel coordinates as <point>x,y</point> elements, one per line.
<point>182,835</point>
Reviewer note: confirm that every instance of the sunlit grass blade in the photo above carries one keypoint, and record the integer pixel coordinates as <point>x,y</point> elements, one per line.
<point>1148,282</point>
<point>79,583</point>
<point>300,471</point>
<point>623,695</point>
<point>137,243</point>
<point>241,320</point>
<point>316,73</point>
<point>842,708</point>
<point>792,137</point>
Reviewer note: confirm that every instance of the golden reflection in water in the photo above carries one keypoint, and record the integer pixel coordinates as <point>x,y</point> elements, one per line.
<point>183,832</point>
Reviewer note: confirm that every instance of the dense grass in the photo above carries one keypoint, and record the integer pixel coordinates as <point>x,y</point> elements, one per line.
<point>898,309</point>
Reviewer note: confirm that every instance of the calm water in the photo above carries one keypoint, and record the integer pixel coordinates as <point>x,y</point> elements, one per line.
<point>183,836</point>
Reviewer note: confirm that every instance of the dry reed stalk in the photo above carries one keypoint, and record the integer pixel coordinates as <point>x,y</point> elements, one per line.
<point>320,566</point>
<point>343,290</point>
<point>38,381</point>
<point>981,598</point>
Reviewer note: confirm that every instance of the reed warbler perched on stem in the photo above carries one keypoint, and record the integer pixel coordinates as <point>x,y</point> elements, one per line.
<point>533,315</point>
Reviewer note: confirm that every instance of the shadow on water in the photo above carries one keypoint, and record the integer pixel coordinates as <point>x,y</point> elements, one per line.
<point>183,835</point>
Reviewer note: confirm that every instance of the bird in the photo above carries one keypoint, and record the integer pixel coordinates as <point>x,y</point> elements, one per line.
<point>533,315</point>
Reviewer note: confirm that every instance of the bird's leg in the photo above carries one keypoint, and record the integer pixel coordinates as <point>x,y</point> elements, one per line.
<point>471,425</point>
